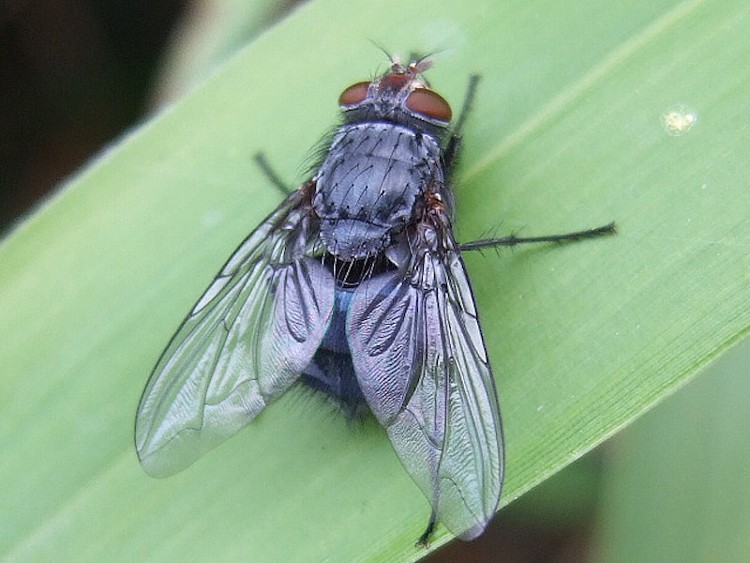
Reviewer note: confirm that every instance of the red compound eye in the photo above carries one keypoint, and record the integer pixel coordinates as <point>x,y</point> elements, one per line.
<point>354,94</point>
<point>430,104</point>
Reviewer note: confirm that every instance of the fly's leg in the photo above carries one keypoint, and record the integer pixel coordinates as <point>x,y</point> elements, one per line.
<point>275,179</point>
<point>449,159</point>
<point>424,539</point>
<point>513,240</point>
<point>471,91</point>
<point>451,150</point>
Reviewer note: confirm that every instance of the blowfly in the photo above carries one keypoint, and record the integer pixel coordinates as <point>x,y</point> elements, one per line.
<point>354,286</point>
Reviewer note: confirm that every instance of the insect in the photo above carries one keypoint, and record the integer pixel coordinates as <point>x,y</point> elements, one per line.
<point>354,286</point>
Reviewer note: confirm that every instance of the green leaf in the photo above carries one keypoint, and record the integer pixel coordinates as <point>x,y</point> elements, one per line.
<point>676,488</point>
<point>566,133</point>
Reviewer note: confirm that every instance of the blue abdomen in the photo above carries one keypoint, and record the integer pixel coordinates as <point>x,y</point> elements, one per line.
<point>331,370</point>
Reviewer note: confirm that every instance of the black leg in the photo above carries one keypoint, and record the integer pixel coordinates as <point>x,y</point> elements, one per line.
<point>451,150</point>
<point>513,240</point>
<point>262,162</point>
<point>471,91</point>
<point>424,539</point>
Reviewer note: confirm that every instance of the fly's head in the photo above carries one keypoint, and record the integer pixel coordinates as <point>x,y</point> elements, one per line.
<point>400,95</point>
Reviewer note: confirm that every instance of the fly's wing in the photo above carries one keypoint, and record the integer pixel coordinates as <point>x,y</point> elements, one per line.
<point>422,365</point>
<point>246,341</point>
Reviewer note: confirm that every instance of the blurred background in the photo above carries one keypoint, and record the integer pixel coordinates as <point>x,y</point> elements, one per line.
<point>75,75</point>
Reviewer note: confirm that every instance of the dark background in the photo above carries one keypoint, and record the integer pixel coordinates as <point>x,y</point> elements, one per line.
<point>76,74</point>
<point>73,75</point>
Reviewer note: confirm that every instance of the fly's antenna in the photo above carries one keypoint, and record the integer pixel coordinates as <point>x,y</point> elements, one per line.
<point>393,59</point>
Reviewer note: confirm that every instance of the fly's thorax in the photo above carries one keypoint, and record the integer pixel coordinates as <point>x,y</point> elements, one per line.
<point>369,184</point>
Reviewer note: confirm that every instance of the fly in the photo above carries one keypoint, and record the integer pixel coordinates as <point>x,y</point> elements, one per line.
<point>354,286</point>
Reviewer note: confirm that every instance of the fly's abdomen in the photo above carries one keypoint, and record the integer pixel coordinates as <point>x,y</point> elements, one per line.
<point>331,370</point>
<point>369,183</point>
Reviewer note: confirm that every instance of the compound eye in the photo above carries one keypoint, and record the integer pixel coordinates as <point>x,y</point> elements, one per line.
<point>354,94</point>
<point>429,104</point>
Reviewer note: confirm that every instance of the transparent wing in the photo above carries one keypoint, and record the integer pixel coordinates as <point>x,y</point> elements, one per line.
<point>422,365</point>
<point>246,341</point>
